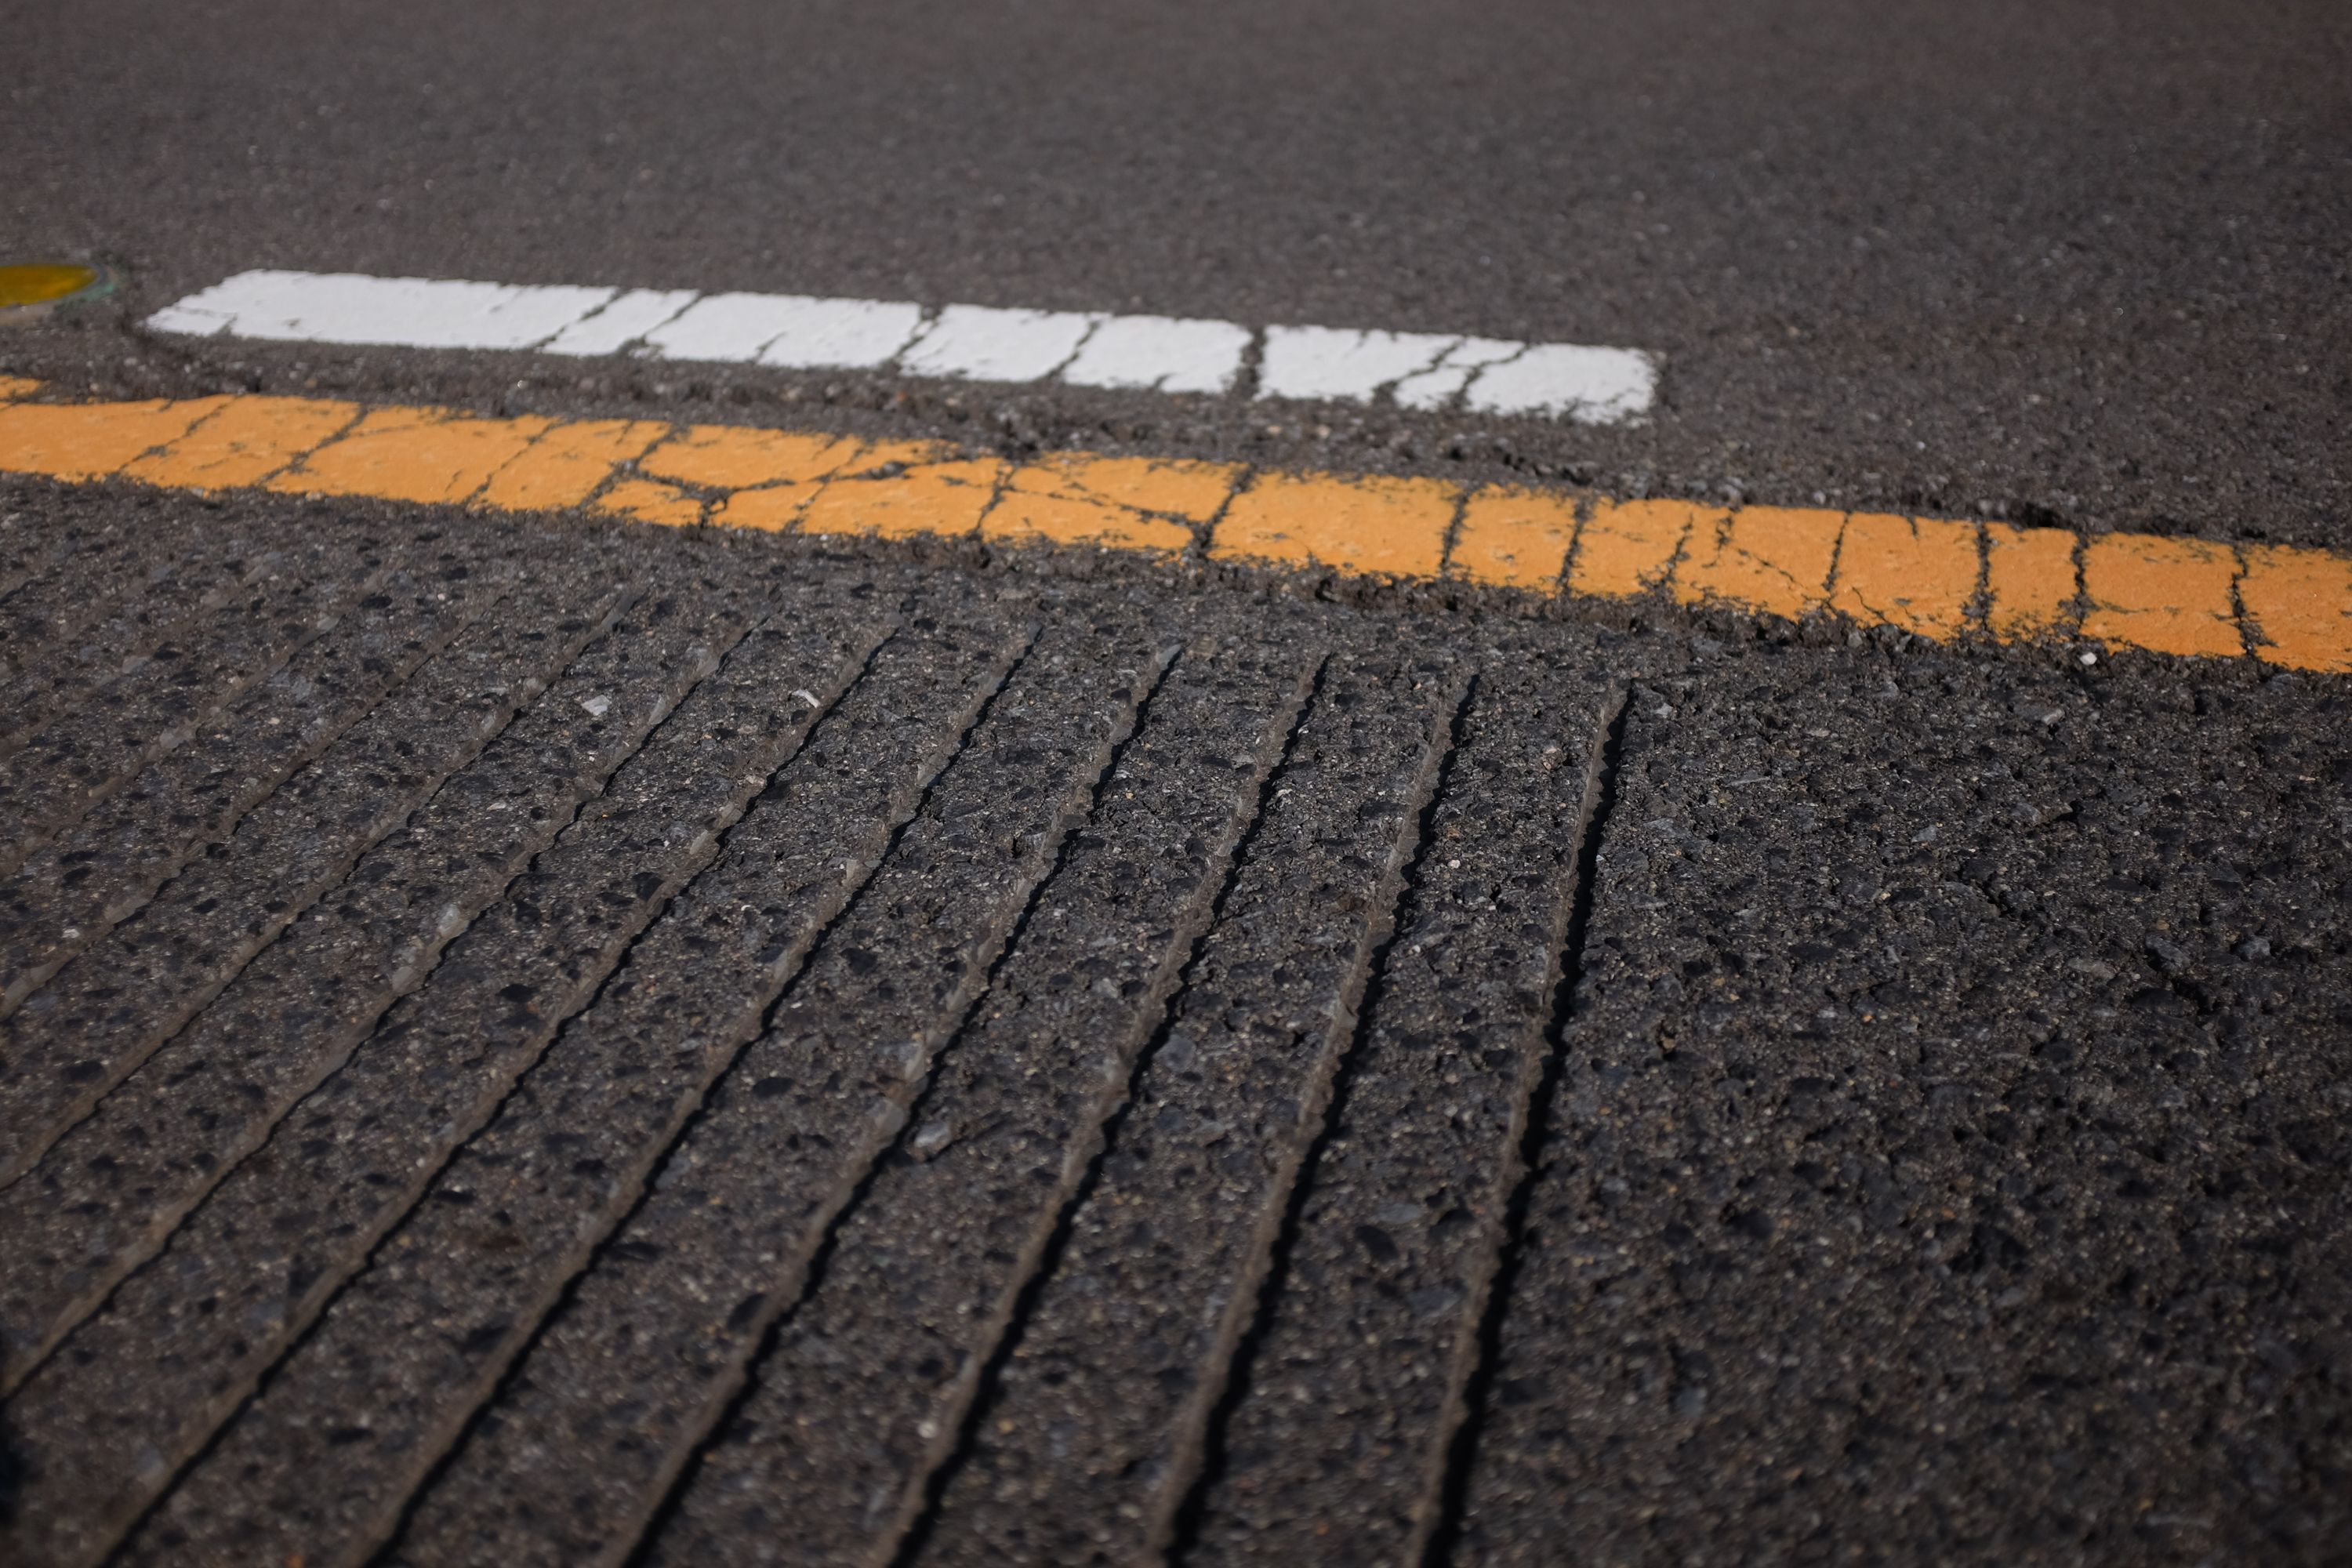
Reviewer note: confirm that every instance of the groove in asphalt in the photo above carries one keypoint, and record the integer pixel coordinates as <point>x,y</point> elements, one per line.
<point>292,1015</point>
<point>1958,1043</point>
<point>575,1138</point>
<point>83,755</point>
<point>956,1218</point>
<point>365,1142</point>
<point>1093,1428</point>
<point>1397,1222</point>
<point>685,1290</point>
<point>116,1004</point>
<point>114,858</point>
<point>169,604</point>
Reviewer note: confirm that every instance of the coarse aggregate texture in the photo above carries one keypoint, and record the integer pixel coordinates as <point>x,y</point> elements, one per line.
<point>1335,1439</point>
<point>59,603</point>
<point>111,1008</point>
<point>2040,260</point>
<point>88,752</point>
<point>1542,550</point>
<point>288,1018</point>
<point>196,583</point>
<point>366,1140</point>
<point>115,857</point>
<point>961,1210</point>
<point>681,1296</point>
<point>520,1207</point>
<point>32,546</point>
<point>1092,1428</point>
<point>1951,1152</point>
<point>1121,1108</point>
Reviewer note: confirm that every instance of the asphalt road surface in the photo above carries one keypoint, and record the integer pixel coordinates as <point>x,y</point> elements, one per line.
<point>530,1039</point>
<point>2083,258</point>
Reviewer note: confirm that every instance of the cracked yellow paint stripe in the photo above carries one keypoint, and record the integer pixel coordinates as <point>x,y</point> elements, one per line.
<point>1943,579</point>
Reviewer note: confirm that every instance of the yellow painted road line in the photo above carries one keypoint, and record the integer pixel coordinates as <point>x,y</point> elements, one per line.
<point>1946,580</point>
<point>36,283</point>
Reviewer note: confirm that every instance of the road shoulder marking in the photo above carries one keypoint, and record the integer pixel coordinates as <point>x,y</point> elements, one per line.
<point>1940,579</point>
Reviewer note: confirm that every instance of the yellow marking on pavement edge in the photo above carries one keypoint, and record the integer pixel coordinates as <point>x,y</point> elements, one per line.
<point>566,465</point>
<point>1365,527</point>
<point>244,442</point>
<point>1769,558</point>
<point>1514,537</point>
<point>412,454</point>
<point>2298,606</point>
<point>1149,504</point>
<point>2030,586</point>
<point>2170,594</point>
<point>1938,578</point>
<point>92,440</point>
<point>42,283</point>
<point>1628,548</point>
<point>1919,574</point>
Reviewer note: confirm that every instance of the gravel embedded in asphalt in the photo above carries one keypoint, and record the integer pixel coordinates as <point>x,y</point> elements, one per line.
<point>1951,1141</point>
<point>957,1215</point>
<point>2021,973</point>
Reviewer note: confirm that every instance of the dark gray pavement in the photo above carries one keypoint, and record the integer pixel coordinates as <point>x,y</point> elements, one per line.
<point>720,1050</point>
<point>524,1041</point>
<point>2073,260</point>
<point>1954,1105</point>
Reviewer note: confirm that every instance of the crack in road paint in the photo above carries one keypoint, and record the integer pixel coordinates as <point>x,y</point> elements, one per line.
<point>1946,580</point>
<point>1586,384</point>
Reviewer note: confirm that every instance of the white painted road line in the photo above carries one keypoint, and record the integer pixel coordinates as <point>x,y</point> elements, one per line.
<point>846,334</point>
<point>966,342</point>
<point>1322,361</point>
<point>1445,378</point>
<point>614,327</point>
<point>974,343</point>
<point>1598,386</point>
<point>1160,353</point>
<point>409,312</point>
<point>724,327</point>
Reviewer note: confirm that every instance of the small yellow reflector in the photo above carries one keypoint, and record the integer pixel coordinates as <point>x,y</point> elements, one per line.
<point>39,282</point>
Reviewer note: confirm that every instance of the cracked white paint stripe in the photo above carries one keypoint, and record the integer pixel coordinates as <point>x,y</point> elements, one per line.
<point>976,343</point>
<point>616,326</point>
<point>1436,386</point>
<point>1160,353</point>
<point>1596,386</point>
<point>841,334</point>
<point>404,312</point>
<point>723,327</point>
<point>1327,362</point>
<point>967,343</point>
